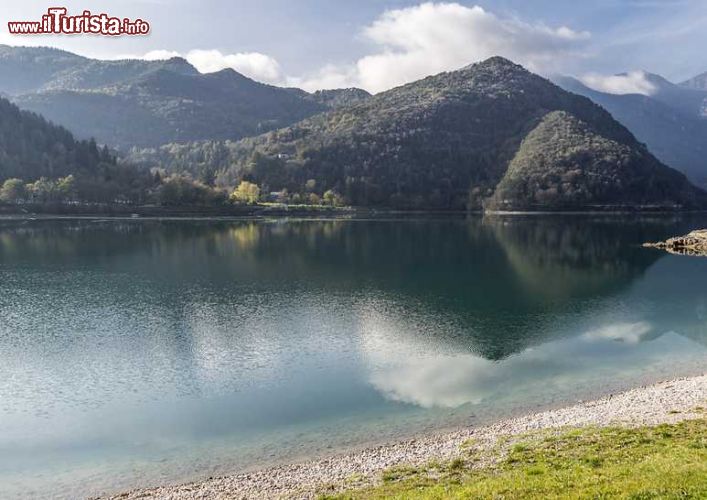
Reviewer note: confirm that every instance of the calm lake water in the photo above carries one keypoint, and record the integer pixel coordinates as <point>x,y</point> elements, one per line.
<point>137,352</point>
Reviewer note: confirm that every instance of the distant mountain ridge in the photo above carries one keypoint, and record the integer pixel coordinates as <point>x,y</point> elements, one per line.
<point>459,140</point>
<point>669,124</point>
<point>36,69</point>
<point>141,103</point>
<point>698,83</point>
<point>162,106</point>
<point>690,100</point>
<point>29,69</point>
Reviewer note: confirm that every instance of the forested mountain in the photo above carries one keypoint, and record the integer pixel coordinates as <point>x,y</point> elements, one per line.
<point>28,69</point>
<point>491,134</point>
<point>447,142</point>
<point>166,106</point>
<point>25,70</point>
<point>148,103</point>
<point>48,164</point>
<point>567,163</point>
<point>677,138</point>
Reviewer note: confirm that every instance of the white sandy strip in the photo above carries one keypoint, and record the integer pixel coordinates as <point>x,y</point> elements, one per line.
<point>666,402</point>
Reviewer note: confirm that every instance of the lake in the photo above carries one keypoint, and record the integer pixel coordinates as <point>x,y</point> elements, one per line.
<point>139,352</point>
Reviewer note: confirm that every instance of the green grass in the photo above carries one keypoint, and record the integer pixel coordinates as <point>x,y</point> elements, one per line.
<point>665,461</point>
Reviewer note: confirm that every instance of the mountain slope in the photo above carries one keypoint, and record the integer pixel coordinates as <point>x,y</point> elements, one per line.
<point>445,142</point>
<point>676,138</point>
<point>564,164</point>
<point>32,148</point>
<point>28,69</point>
<point>148,103</point>
<point>164,106</point>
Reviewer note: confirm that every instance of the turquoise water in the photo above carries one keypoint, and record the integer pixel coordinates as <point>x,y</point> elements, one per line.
<point>138,352</point>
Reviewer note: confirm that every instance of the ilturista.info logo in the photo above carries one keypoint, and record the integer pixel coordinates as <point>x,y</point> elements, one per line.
<point>57,21</point>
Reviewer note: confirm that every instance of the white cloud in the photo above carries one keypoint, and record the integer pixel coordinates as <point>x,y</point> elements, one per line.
<point>414,42</point>
<point>631,333</point>
<point>635,82</point>
<point>252,64</point>
<point>158,55</point>
<point>328,77</point>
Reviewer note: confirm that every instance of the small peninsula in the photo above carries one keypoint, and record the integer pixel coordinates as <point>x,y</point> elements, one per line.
<point>693,244</point>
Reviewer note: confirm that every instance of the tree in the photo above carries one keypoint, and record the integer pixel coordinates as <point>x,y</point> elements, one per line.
<point>183,190</point>
<point>332,198</point>
<point>66,188</point>
<point>246,192</point>
<point>43,190</point>
<point>13,191</point>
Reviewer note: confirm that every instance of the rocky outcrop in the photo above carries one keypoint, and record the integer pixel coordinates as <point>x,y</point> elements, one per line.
<point>694,244</point>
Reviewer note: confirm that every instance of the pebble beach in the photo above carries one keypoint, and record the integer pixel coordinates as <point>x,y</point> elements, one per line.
<point>665,402</point>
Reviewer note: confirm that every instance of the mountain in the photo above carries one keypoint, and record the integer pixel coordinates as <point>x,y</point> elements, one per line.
<point>164,106</point>
<point>28,69</point>
<point>691,101</point>
<point>565,163</point>
<point>148,103</point>
<point>32,149</point>
<point>697,83</point>
<point>676,137</point>
<point>36,69</point>
<point>447,141</point>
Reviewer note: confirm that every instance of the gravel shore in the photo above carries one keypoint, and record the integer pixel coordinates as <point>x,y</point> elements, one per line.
<point>666,402</point>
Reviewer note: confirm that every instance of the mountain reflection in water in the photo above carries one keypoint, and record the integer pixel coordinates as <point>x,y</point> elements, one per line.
<point>182,348</point>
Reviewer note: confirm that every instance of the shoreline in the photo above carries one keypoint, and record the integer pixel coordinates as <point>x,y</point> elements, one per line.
<point>277,210</point>
<point>376,215</point>
<point>670,401</point>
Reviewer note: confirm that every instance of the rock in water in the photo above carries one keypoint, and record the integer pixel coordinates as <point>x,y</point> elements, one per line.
<point>694,244</point>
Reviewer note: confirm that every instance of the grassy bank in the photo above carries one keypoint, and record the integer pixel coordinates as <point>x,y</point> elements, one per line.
<point>665,461</point>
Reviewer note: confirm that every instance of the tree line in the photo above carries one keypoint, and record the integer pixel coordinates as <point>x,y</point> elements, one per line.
<point>41,163</point>
<point>171,190</point>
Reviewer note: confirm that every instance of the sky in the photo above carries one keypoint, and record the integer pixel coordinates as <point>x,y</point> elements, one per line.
<point>379,44</point>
